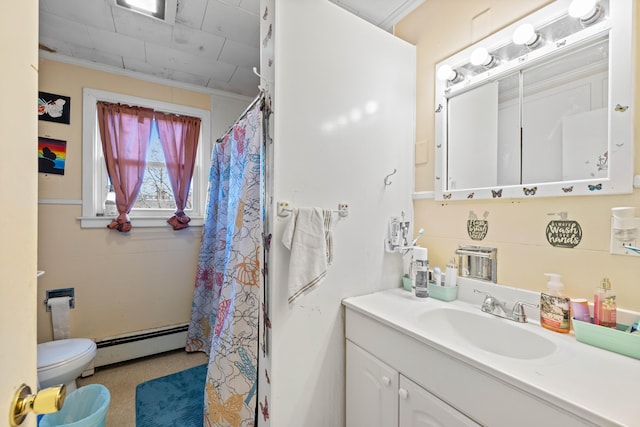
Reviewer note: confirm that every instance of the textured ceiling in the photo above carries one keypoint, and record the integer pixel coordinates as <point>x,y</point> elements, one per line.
<point>213,43</point>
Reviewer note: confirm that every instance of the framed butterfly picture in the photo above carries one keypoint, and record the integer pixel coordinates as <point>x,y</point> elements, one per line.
<point>54,108</point>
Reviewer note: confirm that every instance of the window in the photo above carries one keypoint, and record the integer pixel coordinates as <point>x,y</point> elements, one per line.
<point>156,192</point>
<point>155,202</point>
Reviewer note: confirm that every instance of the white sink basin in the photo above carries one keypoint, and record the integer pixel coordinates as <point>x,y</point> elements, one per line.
<point>489,333</point>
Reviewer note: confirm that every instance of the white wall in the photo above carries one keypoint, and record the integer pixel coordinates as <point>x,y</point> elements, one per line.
<point>329,65</point>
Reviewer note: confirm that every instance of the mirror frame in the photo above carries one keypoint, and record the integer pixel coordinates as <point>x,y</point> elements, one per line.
<point>619,24</point>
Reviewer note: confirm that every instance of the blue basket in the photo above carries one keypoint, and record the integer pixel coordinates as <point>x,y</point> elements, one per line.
<point>85,407</point>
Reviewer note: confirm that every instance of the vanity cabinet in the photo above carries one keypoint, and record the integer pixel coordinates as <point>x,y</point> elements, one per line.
<point>372,390</point>
<point>379,396</point>
<point>419,408</point>
<point>443,388</point>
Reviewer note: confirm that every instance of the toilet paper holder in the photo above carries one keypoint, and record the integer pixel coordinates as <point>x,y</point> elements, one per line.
<point>57,293</point>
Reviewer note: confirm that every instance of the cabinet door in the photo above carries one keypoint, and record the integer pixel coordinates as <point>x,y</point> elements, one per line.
<point>371,398</point>
<point>419,408</point>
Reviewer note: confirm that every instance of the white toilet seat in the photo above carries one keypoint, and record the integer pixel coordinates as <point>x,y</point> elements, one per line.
<point>56,354</point>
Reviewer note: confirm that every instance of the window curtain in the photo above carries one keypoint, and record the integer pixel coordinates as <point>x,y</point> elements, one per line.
<point>225,317</point>
<point>125,132</point>
<point>179,138</point>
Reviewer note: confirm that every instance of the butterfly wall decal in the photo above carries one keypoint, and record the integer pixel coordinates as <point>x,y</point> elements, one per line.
<point>496,193</point>
<point>529,191</point>
<point>265,409</point>
<point>595,187</point>
<point>567,189</point>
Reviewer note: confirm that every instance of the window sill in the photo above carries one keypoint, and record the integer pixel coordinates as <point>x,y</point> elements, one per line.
<point>137,222</point>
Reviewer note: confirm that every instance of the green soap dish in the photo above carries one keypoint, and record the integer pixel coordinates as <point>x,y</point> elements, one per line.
<point>443,293</point>
<point>616,340</point>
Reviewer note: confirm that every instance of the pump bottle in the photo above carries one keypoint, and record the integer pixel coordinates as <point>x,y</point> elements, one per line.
<point>554,306</point>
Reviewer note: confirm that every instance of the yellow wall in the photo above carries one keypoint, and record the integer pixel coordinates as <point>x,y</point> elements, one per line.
<point>18,188</point>
<point>440,28</point>
<point>123,283</point>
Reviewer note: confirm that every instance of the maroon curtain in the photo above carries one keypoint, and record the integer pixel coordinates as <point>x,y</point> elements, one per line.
<point>125,132</point>
<point>179,138</point>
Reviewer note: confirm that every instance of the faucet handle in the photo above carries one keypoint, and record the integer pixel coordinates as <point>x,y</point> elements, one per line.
<point>489,301</point>
<point>518,313</point>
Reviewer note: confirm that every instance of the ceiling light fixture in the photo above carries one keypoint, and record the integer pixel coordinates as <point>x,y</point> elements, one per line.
<point>154,8</point>
<point>587,11</point>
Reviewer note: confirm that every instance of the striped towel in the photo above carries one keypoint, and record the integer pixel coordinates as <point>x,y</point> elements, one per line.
<point>309,238</point>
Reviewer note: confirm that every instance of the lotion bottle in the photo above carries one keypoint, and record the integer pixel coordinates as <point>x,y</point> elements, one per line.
<point>554,306</point>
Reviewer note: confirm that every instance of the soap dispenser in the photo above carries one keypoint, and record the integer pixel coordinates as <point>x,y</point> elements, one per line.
<point>554,306</point>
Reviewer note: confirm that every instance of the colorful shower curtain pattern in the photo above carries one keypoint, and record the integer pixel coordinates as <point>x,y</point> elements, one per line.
<point>228,291</point>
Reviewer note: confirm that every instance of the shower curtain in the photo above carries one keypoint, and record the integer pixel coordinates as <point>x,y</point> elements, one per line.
<point>229,283</point>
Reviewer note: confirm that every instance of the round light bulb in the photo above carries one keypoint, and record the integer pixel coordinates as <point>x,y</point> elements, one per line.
<point>582,9</point>
<point>481,56</point>
<point>446,73</point>
<point>525,34</point>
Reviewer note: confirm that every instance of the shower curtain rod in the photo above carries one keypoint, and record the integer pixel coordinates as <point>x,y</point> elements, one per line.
<point>244,113</point>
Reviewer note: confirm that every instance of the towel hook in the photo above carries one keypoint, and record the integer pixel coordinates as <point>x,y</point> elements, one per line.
<point>386,178</point>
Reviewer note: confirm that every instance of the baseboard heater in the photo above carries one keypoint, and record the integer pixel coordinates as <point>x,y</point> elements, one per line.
<point>140,344</point>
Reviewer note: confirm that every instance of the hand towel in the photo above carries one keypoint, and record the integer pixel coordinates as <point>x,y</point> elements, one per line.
<point>308,236</point>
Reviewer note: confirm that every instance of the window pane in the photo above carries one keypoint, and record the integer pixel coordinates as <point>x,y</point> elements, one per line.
<point>156,192</point>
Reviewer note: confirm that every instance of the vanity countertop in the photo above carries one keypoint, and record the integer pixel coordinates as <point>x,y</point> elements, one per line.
<point>593,383</point>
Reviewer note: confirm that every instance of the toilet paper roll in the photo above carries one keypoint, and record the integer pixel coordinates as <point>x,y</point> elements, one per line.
<point>60,317</point>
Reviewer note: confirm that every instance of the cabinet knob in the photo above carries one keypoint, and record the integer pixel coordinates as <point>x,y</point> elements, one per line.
<point>386,380</point>
<point>403,393</point>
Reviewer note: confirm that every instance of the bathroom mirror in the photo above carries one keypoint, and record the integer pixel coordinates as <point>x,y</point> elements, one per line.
<point>541,108</point>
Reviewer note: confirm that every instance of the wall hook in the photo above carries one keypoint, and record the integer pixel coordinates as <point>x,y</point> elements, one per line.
<point>386,178</point>
<point>264,83</point>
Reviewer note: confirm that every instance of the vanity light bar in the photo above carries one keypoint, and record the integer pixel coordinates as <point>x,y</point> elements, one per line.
<point>588,12</point>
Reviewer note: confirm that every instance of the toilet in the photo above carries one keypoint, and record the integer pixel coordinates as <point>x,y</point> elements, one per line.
<point>62,361</point>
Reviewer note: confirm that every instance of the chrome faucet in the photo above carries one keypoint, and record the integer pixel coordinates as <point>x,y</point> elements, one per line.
<point>494,306</point>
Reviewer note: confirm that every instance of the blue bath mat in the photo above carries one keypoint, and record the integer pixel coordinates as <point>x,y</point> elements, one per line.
<point>176,400</point>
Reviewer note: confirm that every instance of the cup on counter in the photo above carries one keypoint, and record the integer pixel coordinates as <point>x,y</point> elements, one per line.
<point>580,309</point>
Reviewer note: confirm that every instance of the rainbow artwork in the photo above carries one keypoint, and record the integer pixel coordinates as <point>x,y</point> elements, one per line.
<point>52,154</point>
